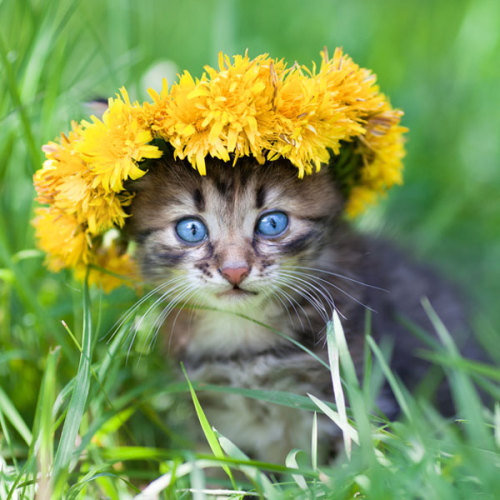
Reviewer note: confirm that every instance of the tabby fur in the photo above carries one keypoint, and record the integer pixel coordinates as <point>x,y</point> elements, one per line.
<point>293,284</point>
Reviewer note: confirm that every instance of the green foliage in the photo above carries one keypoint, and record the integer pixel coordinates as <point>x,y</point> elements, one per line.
<point>90,414</point>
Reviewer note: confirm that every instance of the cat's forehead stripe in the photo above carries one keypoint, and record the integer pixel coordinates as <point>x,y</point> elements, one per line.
<point>199,200</point>
<point>224,186</point>
<point>260,197</point>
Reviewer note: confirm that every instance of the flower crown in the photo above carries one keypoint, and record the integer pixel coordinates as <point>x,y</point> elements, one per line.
<point>334,116</point>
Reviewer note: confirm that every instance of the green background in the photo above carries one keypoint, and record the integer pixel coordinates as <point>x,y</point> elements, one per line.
<point>438,60</point>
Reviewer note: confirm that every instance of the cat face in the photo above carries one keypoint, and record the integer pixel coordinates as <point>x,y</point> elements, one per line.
<point>227,238</point>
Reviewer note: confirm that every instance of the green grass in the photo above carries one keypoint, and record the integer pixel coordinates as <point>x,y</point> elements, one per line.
<point>105,433</point>
<point>81,417</point>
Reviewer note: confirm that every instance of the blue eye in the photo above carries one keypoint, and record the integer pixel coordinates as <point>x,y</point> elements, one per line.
<point>272,224</point>
<point>191,230</point>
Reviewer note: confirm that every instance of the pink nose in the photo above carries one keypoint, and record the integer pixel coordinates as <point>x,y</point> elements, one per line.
<point>235,275</point>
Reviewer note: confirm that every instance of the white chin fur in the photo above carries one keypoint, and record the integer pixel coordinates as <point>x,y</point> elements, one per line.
<point>225,333</point>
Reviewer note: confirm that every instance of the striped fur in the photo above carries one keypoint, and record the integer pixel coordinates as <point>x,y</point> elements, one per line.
<point>293,283</point>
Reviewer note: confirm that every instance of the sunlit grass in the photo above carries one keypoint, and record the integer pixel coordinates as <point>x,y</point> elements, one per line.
<point>82,416</point>
<point>84,441</point>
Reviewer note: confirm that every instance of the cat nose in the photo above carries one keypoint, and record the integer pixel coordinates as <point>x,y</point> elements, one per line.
<point>235,275</point>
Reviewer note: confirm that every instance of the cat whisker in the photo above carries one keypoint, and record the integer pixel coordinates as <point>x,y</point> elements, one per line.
<point>342,276</point>
<point>182,298</point>
<point>195,301</point>
<point>171,304</point>
<point>128,314</point>
<point>318,287</point>
<point>347,294</point>
<point>325,296</point>
<point>184,303</point>
<point>188,291</point>
<point>159,299</point>
<point>156,324</point>
<point>292,303</point>
<point>136,328</point>
<point>313,284</point>
<point>307,295</point>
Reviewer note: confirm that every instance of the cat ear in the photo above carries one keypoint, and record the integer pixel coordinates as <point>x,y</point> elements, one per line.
<point>138,185</point>
<point>96,106</point>
<point>147,181</point>
<point>339,198</point>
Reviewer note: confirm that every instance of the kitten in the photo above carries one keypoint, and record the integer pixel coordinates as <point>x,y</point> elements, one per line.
<point>255,240</point>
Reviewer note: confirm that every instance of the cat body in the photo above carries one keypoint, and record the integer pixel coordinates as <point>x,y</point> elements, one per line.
<point>253,250</point>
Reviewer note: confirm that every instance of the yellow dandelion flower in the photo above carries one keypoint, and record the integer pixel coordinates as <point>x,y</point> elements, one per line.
<point>62,238</point>
<point>66,183</point>
<point>259,108</point>
<point>352,87</point>
<point>62,161</point>
<point>319,110</point>
<point>155,113</point>
<point>382,150</point>
<point>114,146</point>
<point>106,211</point>
<point>111,268</point>
<point>360,198</point>
<point>219,115</point>
<point>309,123</point>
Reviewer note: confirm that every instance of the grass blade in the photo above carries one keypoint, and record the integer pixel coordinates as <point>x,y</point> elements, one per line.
<point>396,389</point>
<point>314,442</point>
<point>207,429</point>
<point>269,490</point>
<point>23,115</point>
<point>291,462</point>
<point>44,420</point>
<point>10,412</point>
<point>80,392</point>
<point>333,358</point>
<point>464,394</point>
<point>153,489</point>
<point>497,425</point>
<point>347,429</point>
<point>356,399</point>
